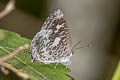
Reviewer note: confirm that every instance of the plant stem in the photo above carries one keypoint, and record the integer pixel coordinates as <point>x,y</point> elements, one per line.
<point>116,75</point>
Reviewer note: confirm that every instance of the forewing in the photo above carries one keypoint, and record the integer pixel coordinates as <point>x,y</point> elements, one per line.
<point>53,41</point>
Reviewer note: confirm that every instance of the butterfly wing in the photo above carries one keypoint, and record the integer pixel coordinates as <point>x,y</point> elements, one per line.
<point>53,42</point>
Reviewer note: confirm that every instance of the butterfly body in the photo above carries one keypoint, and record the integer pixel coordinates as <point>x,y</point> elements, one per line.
<point>52,44</point>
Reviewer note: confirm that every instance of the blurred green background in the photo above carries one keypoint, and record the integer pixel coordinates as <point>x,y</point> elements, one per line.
<point>94,21</point>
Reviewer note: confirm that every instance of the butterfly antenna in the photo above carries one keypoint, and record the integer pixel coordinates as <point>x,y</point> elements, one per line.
<point>76,44</point>
<point>86,46</point>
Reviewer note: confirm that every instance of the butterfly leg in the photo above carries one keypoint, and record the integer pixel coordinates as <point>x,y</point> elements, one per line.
<point>56,65</point>
<point>67,64</point>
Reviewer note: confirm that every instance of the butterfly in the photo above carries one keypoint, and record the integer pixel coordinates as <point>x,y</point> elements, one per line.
<point>52,44</point>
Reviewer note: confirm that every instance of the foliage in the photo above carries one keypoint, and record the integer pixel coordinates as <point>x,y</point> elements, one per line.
<point>117,73</point>
<point>9,41</point>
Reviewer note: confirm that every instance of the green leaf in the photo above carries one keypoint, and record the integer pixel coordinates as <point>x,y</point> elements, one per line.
<point>9,41</point>
<point>116,75</point>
